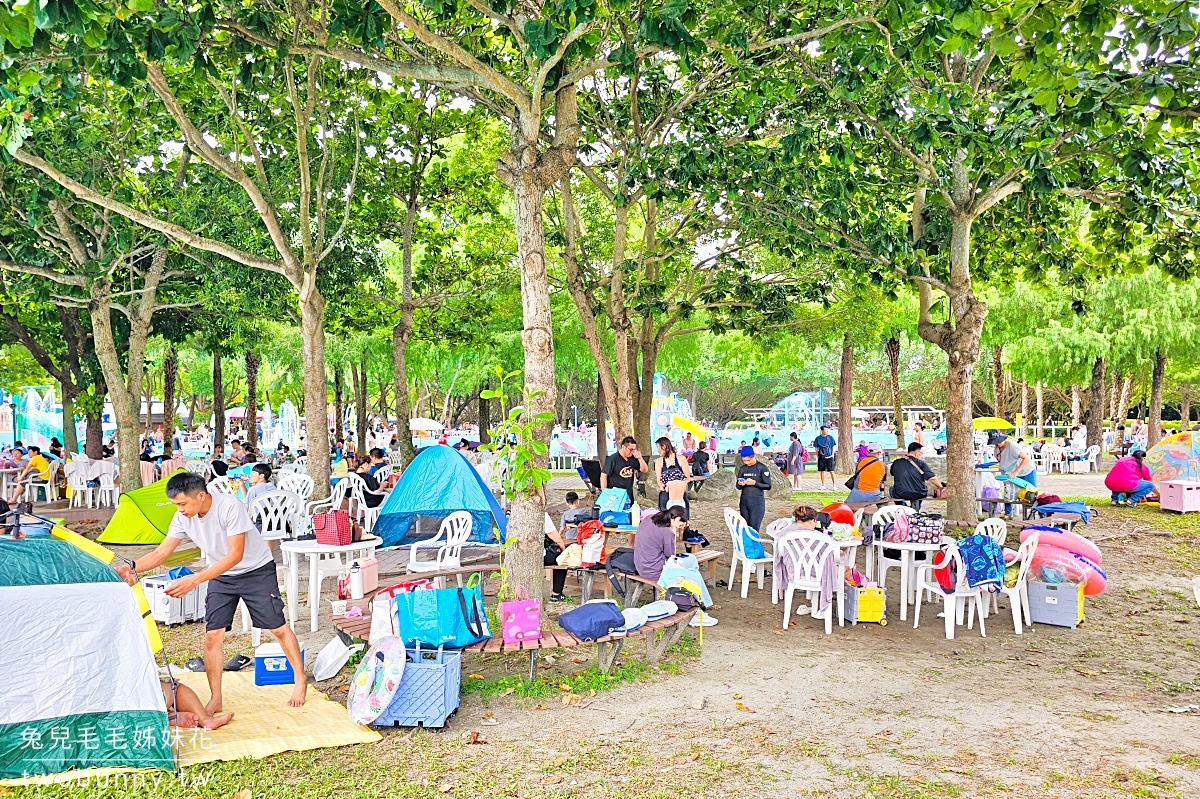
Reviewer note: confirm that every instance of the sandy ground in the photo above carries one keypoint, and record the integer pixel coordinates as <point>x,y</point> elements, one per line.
<point>1053,712</point>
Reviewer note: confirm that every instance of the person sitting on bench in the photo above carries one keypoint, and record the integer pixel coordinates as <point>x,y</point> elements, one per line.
<point>558,540</point>
<point>910,476</point>
<point>654,543</point>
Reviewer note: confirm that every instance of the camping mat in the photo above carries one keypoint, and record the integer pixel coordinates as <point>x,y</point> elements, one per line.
<point>264,725</point>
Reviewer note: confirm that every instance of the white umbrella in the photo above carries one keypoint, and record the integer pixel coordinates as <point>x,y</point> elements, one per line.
<point>425,425</point>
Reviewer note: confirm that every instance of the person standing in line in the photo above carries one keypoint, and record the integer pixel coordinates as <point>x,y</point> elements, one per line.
<point>824,445</point>
<point>795,462</point>
<point>753,480</point>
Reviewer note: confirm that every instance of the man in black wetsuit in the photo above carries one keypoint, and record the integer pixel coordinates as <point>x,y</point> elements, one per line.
<point>753,478</point>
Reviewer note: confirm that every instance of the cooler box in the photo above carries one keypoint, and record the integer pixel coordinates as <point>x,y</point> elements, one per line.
<point>615,518</point>
<point>1181,496</point>
<point>370,573</point>
<point>169,610</point>
<point>1058,604</point>
<point>271,666</point>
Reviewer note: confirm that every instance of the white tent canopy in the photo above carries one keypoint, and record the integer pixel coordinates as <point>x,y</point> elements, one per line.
<point>425,425</point>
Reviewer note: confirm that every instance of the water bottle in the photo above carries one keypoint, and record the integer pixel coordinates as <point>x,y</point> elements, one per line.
<point>343,585</point>
<point>356,582</point>
<point>635,515</point>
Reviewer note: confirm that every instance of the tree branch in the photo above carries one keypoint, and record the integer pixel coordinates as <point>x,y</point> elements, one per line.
<point>41,271</point>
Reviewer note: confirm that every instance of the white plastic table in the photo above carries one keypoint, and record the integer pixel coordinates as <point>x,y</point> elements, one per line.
<point>4,473</point>
<point>315,552</point>
<point>906,563</point>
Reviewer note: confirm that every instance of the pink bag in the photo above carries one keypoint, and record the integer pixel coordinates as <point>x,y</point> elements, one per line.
<point>521,619</point>
<point>900,529</point>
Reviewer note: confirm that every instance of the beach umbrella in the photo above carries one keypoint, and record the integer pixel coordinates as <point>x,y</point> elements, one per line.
<point>992,423</point>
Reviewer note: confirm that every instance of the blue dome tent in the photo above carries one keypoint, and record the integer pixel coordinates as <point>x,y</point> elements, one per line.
<point>438,482</point>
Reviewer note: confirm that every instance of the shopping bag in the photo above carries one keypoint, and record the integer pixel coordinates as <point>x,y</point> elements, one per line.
<point>446,617</point>
<point>521,618</point>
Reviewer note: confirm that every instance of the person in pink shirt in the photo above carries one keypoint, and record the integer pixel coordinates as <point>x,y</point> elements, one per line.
<point>1129,479</point>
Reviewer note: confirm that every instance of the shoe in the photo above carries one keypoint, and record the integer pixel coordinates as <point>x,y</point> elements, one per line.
<point>708,621</point>
<point>1114,503</point>
<point>558,597</point>
<point>1133,503</point>
<point>195,664</point>
<point>237,663</point>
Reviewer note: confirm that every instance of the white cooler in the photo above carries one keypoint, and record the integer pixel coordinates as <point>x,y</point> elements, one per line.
<point>169,610</point>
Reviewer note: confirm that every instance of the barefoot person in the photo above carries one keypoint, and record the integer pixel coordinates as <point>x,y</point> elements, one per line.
<point>241,568</point>
<point>184,708</point>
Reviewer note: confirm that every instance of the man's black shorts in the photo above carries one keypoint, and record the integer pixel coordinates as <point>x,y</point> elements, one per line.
<point>824,464</point>
<point>258,588</point>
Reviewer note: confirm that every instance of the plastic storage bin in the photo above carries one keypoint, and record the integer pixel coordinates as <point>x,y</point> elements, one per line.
<point>1058,604</point>
<point>169,610</point>
<point>271,666</point>
<point>871,605</point>
<point>1181,496</point>
<point>428,691</point>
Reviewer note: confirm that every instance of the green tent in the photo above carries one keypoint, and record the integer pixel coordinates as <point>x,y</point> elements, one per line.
<point>142,515</point>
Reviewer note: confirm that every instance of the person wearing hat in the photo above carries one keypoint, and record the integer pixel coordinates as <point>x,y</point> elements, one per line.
<point>1129,479</point>
<point>910,475</point>
<point>1014,460</point>
<point>753,479</point>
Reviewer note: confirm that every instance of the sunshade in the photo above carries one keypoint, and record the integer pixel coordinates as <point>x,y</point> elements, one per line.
<point>992,423</point>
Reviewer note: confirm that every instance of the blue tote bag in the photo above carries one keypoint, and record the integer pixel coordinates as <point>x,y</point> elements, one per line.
<point>443,617</point>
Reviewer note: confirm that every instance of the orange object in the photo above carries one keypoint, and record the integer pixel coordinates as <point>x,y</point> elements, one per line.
<point>839,512</point>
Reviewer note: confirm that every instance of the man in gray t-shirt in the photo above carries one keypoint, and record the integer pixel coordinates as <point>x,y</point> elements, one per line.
<point>241,569</point>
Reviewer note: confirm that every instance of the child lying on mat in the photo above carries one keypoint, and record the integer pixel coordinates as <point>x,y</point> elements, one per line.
<point>184,708</point>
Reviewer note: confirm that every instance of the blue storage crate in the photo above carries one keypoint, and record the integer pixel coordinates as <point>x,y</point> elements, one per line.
<point>428,691</point>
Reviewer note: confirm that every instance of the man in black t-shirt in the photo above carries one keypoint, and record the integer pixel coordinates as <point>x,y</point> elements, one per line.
<point>910,475</point>
<point>621,467</point>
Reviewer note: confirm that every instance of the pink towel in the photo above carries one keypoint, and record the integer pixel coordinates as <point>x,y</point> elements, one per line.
<point>784,566</point>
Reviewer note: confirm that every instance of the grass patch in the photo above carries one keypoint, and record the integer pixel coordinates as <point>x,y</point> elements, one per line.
<point>587,681</point>
<point>1187,761</point>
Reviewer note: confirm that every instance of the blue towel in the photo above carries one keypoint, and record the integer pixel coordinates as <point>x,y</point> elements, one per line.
<point>984,562</point>
<point>1066,507</point>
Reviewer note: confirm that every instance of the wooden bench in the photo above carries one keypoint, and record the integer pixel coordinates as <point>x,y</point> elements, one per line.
<point>706,559</point>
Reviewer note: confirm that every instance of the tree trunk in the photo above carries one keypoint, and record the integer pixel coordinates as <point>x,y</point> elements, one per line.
<point>94,437</point>
<point>1095,410</point>
<point>253,363</point>
<point>485,420</point>
<point>1185,407</point>
<point>1156,395</point>
<point>892,347</point>
<point>70,440</point>
<point>170,377</point>
<point>1076,405</point>
<point>1114,397</point>
<point>125,397</point>
<point>643,423</point>
<point>999,407</point>
<point>401,334</point>
<point>360,404</point>
<point>316,398</point>
<point>601,424</point>
<point>1024,428</point>
<point>339,402</point>
<point>1040,430</point>
<point>218,406</point>
<point>845,437</point>
<point>1123,400</point>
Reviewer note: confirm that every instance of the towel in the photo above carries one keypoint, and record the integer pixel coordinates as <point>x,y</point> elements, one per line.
<point>783,567</point>
<point>984,562</point>
<point>684,571</point>
<point>1066,507</point>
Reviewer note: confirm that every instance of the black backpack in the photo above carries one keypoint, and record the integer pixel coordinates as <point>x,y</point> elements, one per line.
<point>620,560</point>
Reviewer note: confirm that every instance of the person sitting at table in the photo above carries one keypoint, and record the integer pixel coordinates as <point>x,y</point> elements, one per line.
<point>377,461</point>
<point>237,457</point>
<point>260,483</point>
<point>249,455</point>
<point>911,476</point>
<point>655,541</point>
<point>866,485</point>
<point>35,472</point>
<point>804,517</point>
<point>219,468</point>
<point>374,500</point>
<point>557,540</point>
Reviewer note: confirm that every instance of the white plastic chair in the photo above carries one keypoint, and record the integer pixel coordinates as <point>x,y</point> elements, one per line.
<point>396,459</point>
<point>383,474</point>
<point>738,527</point>
<point>994,528</point>
<point>298,483</point>
<point>359,509</point>
<point>883,563</point>
<point>1092,458</point>
<point>453,533</point>
<point>337,497</point>
<point>301,463</point>
<point>275,511</point>
<point>809,553</point>
<point>221,485</point>
<point>775,527</point>
<point>1018,594</point>
<point>77,479</point>
<point>1055,458</point>
<point>927,583</point>
<point>106,473</point>
<point>49,488</point>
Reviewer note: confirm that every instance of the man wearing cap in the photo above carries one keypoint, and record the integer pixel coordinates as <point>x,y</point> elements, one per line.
<point>1014,460</point>
<point>753,480</point>
<point>910,475</point>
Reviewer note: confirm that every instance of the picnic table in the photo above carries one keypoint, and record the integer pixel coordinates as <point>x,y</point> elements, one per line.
<point>315,553</point>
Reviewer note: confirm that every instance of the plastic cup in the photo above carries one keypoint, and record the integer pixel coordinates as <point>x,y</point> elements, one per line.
<point>339,607</point>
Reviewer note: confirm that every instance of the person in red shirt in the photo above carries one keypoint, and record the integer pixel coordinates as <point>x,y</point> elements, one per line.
<point>1129,479</point>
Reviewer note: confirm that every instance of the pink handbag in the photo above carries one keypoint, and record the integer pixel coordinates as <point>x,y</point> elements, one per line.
<point>521,618</point>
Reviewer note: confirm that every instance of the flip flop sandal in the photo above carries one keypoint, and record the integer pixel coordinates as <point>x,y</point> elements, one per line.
<point>195,664</point>
<point>237,663</point>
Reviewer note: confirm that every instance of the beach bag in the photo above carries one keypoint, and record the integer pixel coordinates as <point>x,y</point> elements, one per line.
<point>383,616</point>
<point>752,545</point>
<point>897,530</point>
<point>591,539</point>
<point>926,528</point>
<point>612,499</point>
<point>521,618</point>
<point>803,454</point>
<point>683,598</point>
<point>943,571</point>
<point>443,617</point>
<point>593,620</point>
<point>332,528</point>
<point>620,560</point>
<point>990,492</point>
<point>983,559</point>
